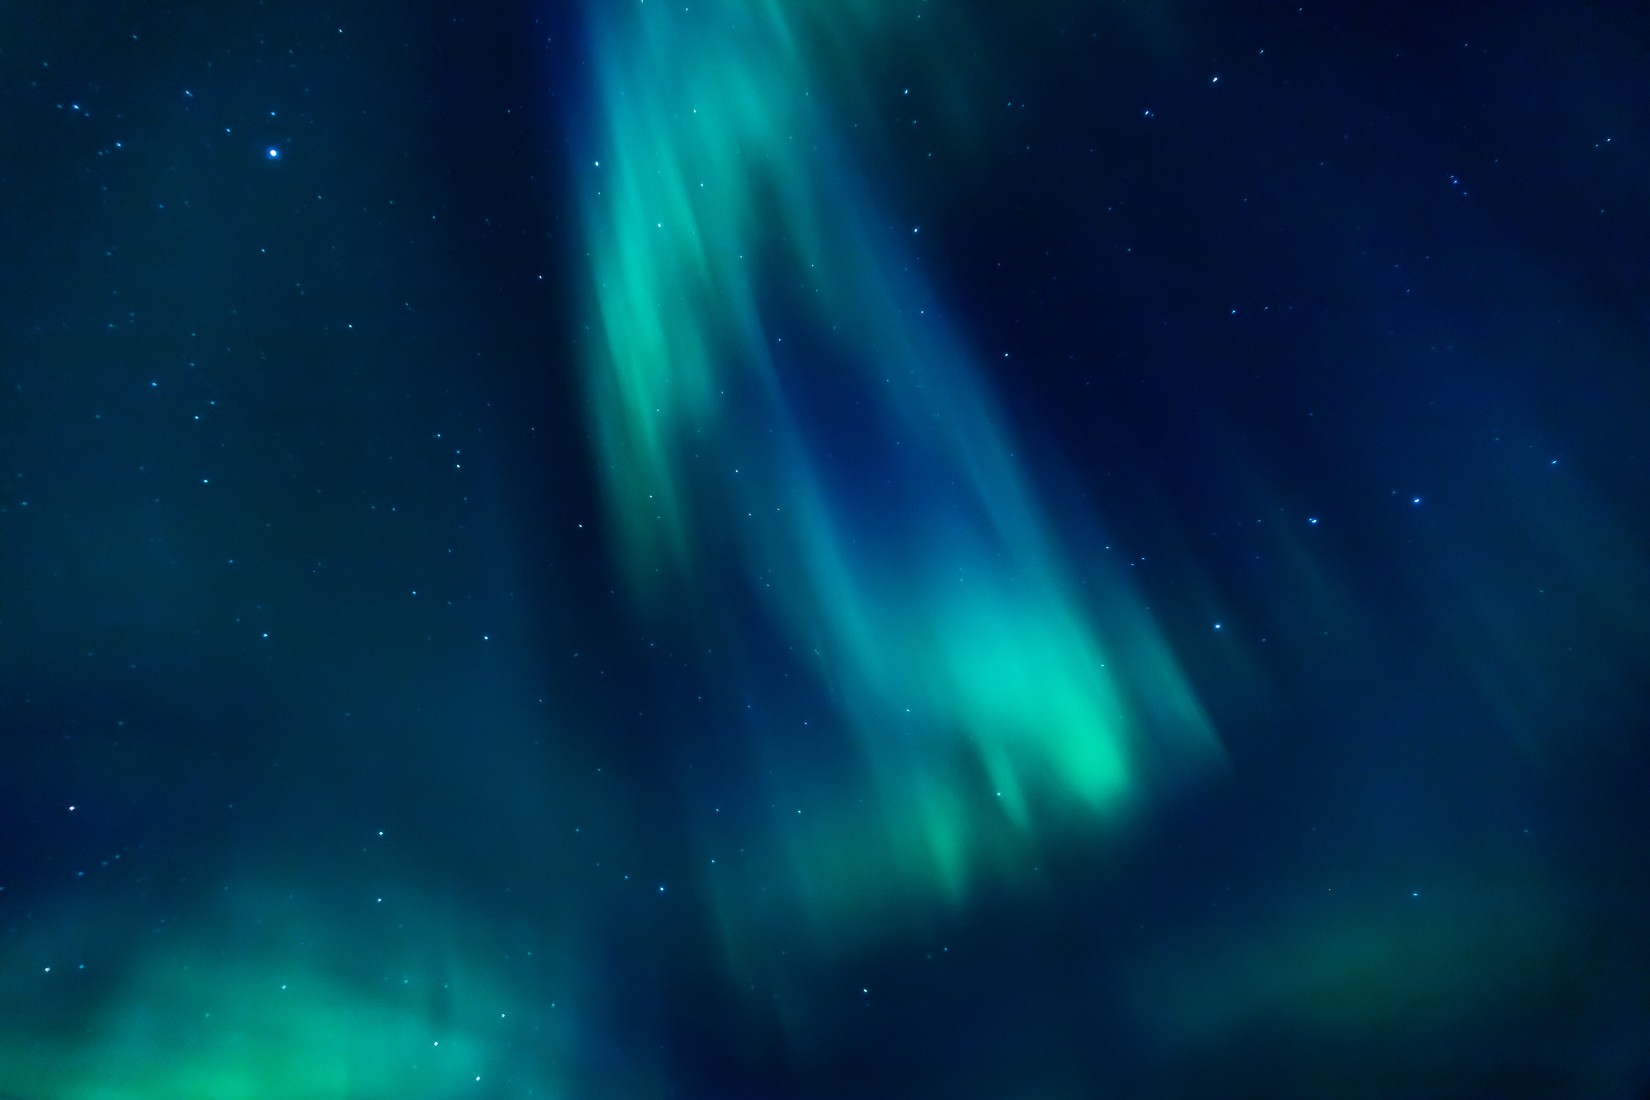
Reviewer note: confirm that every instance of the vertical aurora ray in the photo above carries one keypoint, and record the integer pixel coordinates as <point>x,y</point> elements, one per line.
<point>780,411</point>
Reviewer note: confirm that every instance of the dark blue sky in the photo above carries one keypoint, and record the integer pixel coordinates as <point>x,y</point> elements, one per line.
<point>344,752</point>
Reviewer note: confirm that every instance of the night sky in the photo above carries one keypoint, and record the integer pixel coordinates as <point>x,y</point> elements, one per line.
<point>824,549</point>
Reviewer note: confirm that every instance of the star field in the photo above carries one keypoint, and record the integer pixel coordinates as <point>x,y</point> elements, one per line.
<point>822,550</point>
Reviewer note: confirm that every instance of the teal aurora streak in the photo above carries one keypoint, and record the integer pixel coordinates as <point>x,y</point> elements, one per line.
<point>780,409</point>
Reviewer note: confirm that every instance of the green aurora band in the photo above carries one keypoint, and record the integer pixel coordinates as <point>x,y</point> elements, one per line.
<point>783,418</point>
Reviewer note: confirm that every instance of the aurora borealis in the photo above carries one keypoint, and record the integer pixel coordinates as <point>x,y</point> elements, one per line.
<point>759,549</point>
<point>782,407</point>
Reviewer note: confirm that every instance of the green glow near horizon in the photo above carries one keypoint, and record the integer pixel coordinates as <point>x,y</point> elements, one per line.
<point>776,398</point>
<point>264,992</point>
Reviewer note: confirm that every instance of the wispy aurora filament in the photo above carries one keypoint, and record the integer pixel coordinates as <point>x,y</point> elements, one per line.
<point>776,410</point>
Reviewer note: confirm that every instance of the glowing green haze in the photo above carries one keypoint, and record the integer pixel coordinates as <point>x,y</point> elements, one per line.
<point>779,409</point>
